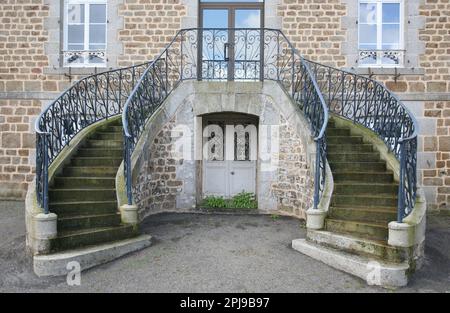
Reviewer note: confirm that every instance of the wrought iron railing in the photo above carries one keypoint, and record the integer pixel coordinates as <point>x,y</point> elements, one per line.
<point>367,102</point>
<point>89,100</point>
<point>226,54</point>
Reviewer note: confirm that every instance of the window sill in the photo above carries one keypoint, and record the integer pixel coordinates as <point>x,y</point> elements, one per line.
<point>386,71</point>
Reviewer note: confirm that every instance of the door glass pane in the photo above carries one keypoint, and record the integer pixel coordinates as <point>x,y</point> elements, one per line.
<point>215,18</point>
<point>214,65</point>
<point>246,18</point>
<point>247,44</point>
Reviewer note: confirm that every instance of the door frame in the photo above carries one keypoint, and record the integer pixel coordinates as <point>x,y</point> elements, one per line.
<point>225,118</point>
<point>231,7</point>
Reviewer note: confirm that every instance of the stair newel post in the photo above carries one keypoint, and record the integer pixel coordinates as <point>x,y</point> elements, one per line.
<point>317,173</point>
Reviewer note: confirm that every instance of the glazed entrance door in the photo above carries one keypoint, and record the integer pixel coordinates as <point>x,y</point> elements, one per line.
<point>230,38</point>
<point>230,153</point>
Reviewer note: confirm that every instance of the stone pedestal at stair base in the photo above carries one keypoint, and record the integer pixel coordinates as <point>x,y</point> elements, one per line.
<point>401,235</point>
<point>373,272</point>
<point>45,229</point>
<point>315,219</point>
<point>56,264</point>
<point>129,214</point>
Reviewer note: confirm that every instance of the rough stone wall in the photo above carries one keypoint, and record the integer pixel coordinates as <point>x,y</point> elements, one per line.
<point>148,27</point>
<point>294,188</point>
<point>314,27</point>
<point>22,59</point>
<point>434,163</point>
<point>157,186</point>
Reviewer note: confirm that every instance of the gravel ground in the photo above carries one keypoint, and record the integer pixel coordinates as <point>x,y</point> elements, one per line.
<point>213,253</point>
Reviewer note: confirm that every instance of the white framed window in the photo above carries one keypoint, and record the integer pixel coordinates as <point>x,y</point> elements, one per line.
<point>381,33</point>
<point>85,33</point>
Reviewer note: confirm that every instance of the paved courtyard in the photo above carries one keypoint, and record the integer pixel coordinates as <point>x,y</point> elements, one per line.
<point>213,253</point>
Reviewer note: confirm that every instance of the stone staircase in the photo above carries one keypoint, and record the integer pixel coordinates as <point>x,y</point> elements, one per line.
<point>365,195</point>
<point>83,195</point>
<point>363,203</point>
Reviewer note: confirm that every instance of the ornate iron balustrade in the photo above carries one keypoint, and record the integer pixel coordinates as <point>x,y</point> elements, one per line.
<point>226,54</point>
<point>89,100</point>
<point>367,102</point>
<point>386,58</point>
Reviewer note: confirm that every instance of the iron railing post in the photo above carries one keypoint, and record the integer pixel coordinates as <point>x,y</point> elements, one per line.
<point>401,186</point>
<point>45,174</point>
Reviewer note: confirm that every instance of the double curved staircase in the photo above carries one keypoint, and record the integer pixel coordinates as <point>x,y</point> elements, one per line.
<point>367,194</point>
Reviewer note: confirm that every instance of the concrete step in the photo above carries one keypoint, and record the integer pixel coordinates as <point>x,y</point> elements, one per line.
<point>92,236</point>
<point>376,249</point>
<point>55,264</point>
<point>84,182</point>
<point>380,177</point>
<point>86,194</point>
<point>100,152</point>
<point>112,129</point>
<point>344,139</point>
<point>96,143</point>
<point>332,131</point>
<point>73,222</point>
<point>93,161</point>
<point>354,157</point>
<point>365,188</point>
<point>387,274</point>
<point>84,207</point>
<point>375,214</point>
<point>108,136</point>
<point>362,147</point>
<point>370,230</point>
<point>373,199</point>
<point>357,166</point>
<point>83,171</point>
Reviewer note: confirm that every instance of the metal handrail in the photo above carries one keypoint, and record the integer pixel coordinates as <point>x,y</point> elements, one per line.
<point>382,112</point>
<point>89,100</point>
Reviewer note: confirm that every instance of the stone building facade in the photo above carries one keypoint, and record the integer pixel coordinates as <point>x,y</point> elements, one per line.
<point>32,72</point>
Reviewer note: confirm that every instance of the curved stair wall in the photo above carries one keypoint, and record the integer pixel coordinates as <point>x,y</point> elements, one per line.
<point>183,109</point>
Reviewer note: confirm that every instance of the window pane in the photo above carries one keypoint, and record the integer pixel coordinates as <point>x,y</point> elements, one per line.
<point>75,34</point>
<point>368,13</point>
<point>75,47</point>
<point>97,47</point>
<point>97,33</point>
<point>391,13</point>
<point>97,13</point>
<point>75,13</point>
<point>367,34</point>
<point>391,34</point>
<point>367,46</point>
